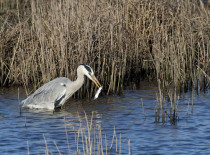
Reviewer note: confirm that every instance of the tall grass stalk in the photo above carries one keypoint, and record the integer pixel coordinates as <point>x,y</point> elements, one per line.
<point>67,139</point>
<point>142,105</point>
<point>166,41</point>
<point>46,151</point>
<point>89,139</point>
<point>28,148</point>
<point>19,101</point>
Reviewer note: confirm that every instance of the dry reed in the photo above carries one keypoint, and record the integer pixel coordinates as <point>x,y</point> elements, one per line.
<point>89,140</point>
<point>122,40</point>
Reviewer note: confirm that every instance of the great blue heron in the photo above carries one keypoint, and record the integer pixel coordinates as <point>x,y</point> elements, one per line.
<point>55,93</point>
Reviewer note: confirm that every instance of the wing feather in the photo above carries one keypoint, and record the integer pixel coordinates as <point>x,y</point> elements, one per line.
<point>51,93</point>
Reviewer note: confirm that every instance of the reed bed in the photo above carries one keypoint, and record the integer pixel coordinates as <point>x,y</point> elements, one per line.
<point>123,41</point>
<point>88,139</point>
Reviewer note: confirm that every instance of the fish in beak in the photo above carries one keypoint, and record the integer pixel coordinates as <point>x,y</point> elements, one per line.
<point>93,78</point>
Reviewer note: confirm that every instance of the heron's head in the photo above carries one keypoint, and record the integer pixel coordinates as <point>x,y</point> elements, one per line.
<point>87,70</point>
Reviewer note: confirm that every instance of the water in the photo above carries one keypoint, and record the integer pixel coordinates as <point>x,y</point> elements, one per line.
<point>40,132</point>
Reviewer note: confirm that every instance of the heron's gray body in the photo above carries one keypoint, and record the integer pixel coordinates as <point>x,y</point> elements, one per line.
<point>55,93</point>
<point>50,95</point>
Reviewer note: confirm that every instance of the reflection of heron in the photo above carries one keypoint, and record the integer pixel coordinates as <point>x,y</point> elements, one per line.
<point>54,93</point>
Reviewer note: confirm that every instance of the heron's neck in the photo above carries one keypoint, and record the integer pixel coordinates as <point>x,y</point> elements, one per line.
<point>80,80</point>
<point>75,85</point>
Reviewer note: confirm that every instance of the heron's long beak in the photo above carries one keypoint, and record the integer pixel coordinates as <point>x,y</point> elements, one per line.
<point>93,78</point>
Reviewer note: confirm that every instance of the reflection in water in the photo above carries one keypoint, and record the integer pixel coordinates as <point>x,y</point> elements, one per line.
<point>96,122</point>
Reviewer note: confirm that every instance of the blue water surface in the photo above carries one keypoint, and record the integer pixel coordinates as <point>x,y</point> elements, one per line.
<point>130,119</point>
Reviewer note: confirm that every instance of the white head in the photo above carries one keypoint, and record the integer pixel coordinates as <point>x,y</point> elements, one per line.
<point>87,70</point>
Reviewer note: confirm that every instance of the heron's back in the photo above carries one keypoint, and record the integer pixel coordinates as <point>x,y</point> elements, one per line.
<point>49,96</point>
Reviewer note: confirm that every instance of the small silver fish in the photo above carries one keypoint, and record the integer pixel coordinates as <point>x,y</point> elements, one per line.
<point>98,92</point>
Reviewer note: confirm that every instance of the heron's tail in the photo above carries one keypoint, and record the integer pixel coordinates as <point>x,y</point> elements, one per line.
<point>23,102</point>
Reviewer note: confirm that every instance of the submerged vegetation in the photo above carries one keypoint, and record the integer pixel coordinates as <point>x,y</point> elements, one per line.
<point>124,41</point>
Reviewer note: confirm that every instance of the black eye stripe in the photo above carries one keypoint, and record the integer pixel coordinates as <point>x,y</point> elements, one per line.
<point>87,68</point>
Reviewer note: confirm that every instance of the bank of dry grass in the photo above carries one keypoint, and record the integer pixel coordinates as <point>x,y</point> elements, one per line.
<point>165,41</point>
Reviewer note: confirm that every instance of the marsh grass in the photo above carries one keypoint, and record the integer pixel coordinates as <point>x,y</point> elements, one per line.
<point>123,41</point>
<point>88,139</point>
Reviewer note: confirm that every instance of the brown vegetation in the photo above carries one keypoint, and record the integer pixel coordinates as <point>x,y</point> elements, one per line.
<point>122,40</point>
